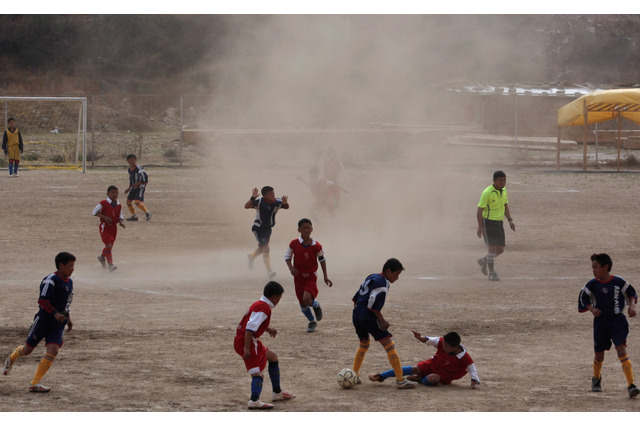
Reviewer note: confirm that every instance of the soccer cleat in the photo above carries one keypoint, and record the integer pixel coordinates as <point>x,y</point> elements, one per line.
<point>312,326</point>
<point>318,312</point>
<point>259,405</point>
<point>8,365</point>
<point>405,384</point>
<point>133,218</point>
<point>633,391</point>
<point>483,265</point>
<point>493,277</point>
<point>148,216</point>
<point>102,261</point>
<point>39,388</point>
<point>282,396</point>
<point>596,386</point>
<point>376,377</point>
<point>271,274</point>
<point>250,261</point>
<point>112,267</point>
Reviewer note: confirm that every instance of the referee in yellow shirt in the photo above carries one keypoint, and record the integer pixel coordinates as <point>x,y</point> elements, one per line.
<point>492,208</point>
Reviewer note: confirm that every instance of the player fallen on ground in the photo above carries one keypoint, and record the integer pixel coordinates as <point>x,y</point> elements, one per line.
<point>56,294</point>
<point>605,297</point>
<point>138,180</point>
<point>266,208</point>
<point>247,344</point>
<point>368,319</point>
<point>450,362</point>
<point>110,213</point>
<point>492,209</point>
<point>305,253</point>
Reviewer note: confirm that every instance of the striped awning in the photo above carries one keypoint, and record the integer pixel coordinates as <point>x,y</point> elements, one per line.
<point>601,105</point>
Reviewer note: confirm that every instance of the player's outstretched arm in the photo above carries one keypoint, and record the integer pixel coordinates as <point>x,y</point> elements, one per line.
<point>418,336</point>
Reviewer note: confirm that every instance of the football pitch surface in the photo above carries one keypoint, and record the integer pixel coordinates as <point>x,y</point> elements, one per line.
<point>157,334</point>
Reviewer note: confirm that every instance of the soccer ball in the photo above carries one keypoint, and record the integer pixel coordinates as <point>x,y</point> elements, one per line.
<point>347,378</point>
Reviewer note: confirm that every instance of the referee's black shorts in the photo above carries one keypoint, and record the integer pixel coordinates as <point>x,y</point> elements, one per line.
<point>493,232</point>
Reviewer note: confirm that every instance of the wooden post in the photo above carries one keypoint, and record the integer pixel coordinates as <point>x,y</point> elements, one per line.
<point>558,150</point>
<point>585,115</point>
<point>619,141</point>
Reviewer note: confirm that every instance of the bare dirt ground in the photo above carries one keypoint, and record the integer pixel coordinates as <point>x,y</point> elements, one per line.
<point>157,334</point>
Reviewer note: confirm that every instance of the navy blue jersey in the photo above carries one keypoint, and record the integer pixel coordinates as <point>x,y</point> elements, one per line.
<point>266,212</point>
<point>137,174</point>
<point>372,292</point>
<point>56,294</point>
<point>610,297</point>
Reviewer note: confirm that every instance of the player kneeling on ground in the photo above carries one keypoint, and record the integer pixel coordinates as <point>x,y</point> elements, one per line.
<point>56,293</point>
<point>450,362</point>
<point>254,353</point>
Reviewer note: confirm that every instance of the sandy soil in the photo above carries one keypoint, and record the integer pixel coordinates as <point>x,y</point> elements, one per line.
<point>156,335</point>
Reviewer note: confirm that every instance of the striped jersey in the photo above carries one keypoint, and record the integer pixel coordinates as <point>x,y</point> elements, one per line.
<point>137,174</point>
<point>266,212</point>
<point>609,297</point>
<point>372,292</point>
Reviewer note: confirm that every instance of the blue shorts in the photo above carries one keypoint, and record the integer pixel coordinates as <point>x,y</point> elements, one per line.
<point>46,327</point>
<point>136,194</point>
<point>609,329</point>
<point>263,235</point>
<point>366,323</point>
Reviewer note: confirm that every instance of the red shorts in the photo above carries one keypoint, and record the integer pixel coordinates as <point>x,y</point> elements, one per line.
<point>258,359</point>
<point>305,281</point>
<point>108,235</point>
<point>426,368</point>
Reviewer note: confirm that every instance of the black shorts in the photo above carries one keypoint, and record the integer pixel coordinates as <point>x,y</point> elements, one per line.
<point>263,235</point>
<point>136,194</point>
<point>609,329</point>
<point>493,232</point>
<point>366,323</point>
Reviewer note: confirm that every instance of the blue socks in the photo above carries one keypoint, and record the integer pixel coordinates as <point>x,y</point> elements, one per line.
<point>274,375</point>
<point>406,371</point>
<point>308,313</point>
<point>256,387</point>
<point>10,169</point>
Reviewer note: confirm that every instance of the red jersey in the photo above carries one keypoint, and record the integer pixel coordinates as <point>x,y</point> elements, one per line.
<point>305,257</point>
<point>256,319</point>
<point>107,208</point>
<point>451,366</point>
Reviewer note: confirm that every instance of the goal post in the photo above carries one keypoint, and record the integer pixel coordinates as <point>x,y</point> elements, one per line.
<point>53,128</point>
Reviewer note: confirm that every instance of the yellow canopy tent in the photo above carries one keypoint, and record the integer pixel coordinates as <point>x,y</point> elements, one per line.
<point>595,107</point>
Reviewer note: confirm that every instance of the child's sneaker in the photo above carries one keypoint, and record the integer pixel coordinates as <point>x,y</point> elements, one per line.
<point>259,405</point>
<point>148,216</point>
<point>112,267</point>
<point>405,384</point>
<point>318,312</point>
<point>633,391</point>
<point>8,365</point>
<point>271,274</point>
<point>102,261</point>
<point>596,386</point>
<point>282,396</point>
<point>493,277</point>
<point>376,377</point>
<point>133,218</point>
<point>312,326</point>
<point>483,265</point>
<point>39,388</point>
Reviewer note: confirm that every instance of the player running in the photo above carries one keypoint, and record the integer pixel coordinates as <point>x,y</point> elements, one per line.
<point>306,253</point>
<point>138,180</point>
<point>110,213</point>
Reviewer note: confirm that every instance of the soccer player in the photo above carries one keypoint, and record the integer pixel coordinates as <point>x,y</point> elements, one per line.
<point>306,252</point>
<point>266,208</point>
<point>368,320</point>
<point>492,208</point>
<point>110,213</point>
<point>450,362</point>
<point>605,297</point>
<point>56,294</point>
<point>247,344</point>
<point>12,146</point>
<point>138,180</point>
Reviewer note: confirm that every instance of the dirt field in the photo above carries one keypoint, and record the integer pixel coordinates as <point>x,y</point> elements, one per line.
<point>156,335</point>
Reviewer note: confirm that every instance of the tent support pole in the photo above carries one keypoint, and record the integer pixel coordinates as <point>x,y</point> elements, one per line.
<point>619,141</point>
<point>558,150</point>
<point>584,135</point>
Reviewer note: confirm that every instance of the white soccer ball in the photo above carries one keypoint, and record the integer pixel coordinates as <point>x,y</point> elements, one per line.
<point>347,378</point>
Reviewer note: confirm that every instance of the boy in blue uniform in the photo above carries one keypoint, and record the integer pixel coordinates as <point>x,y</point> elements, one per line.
<point>368,320</point>
<point>605,297</point>
<point>56,294</point>
<point>266,208</point>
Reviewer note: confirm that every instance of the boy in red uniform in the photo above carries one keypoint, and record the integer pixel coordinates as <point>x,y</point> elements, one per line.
<point>306,252</point>
<point>109,212</point>
<point>451,362</point>
<point>254,353</point>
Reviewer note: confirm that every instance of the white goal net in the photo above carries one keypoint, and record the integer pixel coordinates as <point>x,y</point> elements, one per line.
<point>53,130</point>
